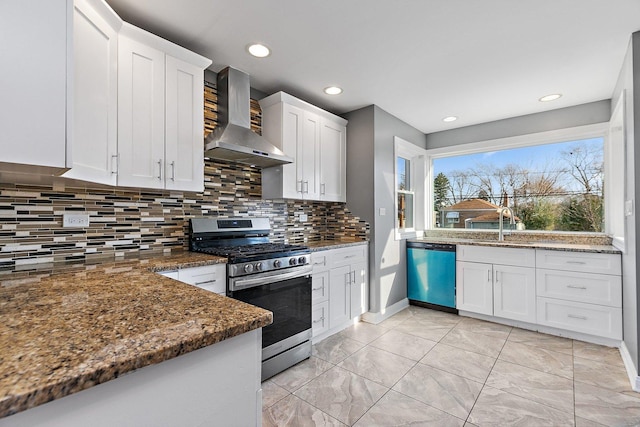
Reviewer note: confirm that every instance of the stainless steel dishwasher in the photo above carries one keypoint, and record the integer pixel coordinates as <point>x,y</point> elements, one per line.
<point>431,275</point>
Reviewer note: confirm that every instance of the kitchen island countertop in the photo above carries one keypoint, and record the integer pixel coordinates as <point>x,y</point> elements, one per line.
<point>323,245</point>
<point>66,328</point>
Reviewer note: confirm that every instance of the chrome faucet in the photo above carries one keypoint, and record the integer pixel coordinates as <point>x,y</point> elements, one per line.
<point>512,221</point>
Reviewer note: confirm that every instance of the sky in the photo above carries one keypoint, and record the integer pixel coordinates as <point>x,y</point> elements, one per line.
<point>538,155</point>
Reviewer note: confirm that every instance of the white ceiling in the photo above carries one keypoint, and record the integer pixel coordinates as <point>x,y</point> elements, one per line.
<point>420,60</point>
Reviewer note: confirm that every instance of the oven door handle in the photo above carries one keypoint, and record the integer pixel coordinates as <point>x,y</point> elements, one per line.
<point>252,282</point>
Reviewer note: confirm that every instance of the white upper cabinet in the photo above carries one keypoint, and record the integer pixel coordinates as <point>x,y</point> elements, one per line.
<point>95,93</point>
<point>160,113</point>
<point>316,139</point>
<point>58,83</point>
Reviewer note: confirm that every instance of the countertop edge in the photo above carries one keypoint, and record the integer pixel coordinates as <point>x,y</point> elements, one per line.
<point>552,246</point>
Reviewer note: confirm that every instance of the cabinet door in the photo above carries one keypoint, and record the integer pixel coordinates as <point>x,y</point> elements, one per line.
<point>359,297</point>
<point>339,296</point>
<point>292,134</point>
<point>333,149</point>
<point>514,293</point>
<point>33,80</point>
<point>141,103</point>
<point>309,157</point>
<point>95,95</point>
<point>184,121</point>
<point>474,287</point>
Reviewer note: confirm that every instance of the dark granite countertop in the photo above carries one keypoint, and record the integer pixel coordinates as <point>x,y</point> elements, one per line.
<point>323,245</point>
<point>68,327</point>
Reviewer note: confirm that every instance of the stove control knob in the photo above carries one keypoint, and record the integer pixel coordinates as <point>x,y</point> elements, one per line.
<point>302,260</point>
<point>293,261</point>
<point>248,268</point>
<point>277,263</point>
<point>258,266</point>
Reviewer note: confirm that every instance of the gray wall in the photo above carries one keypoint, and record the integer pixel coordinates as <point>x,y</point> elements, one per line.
<point>561,118</point>
<point>629,75</point>
<point>370,171</point>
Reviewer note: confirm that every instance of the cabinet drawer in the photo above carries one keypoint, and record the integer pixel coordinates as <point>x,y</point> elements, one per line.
<point>211,277</point>
<point>584,262</point>
<point>346,256</point>
<point>320,260</point>
<point>319,287</point>
<point>590,319</point>
<point>500,256</point>
<point>602,289</point>
<point>319,318</point>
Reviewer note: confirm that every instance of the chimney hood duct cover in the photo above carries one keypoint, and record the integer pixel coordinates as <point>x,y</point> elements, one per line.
<point>233,138</point>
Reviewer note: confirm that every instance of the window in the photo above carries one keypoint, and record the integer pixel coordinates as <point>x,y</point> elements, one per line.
<point>410,173</point>
<point>553,181</point>
<point>405,193</point>
<point>615,181</point>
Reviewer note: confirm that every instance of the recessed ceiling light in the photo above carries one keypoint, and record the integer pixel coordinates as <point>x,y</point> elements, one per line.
<point>551,97</point>
<point>333,90</point>
<point>450,119</point>
<point>258,50</point>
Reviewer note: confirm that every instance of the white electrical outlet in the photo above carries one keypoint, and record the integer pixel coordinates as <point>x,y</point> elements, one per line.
<point>303,217</point>
<point>75,220</point>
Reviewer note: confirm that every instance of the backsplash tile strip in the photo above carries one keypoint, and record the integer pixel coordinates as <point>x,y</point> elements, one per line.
<point>127,221</point>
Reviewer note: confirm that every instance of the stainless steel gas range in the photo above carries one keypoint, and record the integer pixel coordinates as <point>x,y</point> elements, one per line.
<point>274,276</point>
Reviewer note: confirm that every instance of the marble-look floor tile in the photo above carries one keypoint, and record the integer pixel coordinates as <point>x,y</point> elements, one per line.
<point>336,348</point>
<point>499,408</point>
<point>540,387</point>
<point>342,394</point>
<point>295,412</point>
<point>395,409</point>
<point>424,329</point>
<point>363,332</point>
<point>405,345</point>
<point>447,392</point>
<point>300,374</point>
<point>461,362</point>
<point>396,319</point>
<point>378,365</point>
<point>606,407</point>
<point>434,316</point>
<point>477,343</point>
<point>485,328</point>
<point>539,359</point>
<point>599,353</point>
<point>599,374</point>
<point>271,393</point>
<point>582,422</point>
<point>540,340</point>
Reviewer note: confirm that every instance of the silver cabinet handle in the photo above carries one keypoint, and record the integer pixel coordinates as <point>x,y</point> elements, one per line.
<point>350,256</point>
<point>488,275</point>
<point>497,276</point>
<point>205,282</point>
<point>577,287</point>
<point>299,183</point>
<point>306,188</point>
<point>114,161</point>
<point>319,263</point>
<point>573,316</point>
<point>173,171</point>
<point>320,320</point>
<point>576,262</point>
<point>323,188</point>
<point>160,169</point>
<point>353,274</point>
<point>348,279</point>
<point>318,288</point>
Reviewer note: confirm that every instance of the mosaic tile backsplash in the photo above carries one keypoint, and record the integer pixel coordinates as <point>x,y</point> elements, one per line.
<point>125,221</point>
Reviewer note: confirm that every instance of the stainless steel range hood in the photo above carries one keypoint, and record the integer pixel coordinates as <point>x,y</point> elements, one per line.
<point>233,138</point>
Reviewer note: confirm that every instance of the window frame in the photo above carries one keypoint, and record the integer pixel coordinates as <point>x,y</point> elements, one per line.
<point>597,130</point>
<point>416,157</point>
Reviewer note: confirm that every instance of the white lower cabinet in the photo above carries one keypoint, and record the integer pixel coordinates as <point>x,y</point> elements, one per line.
<point>506,290</point>
<point>209,277</point>
<point>567,291</point>
<point>340,288</point>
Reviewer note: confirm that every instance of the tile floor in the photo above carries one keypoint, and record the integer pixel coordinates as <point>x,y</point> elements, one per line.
<point>423,367</point>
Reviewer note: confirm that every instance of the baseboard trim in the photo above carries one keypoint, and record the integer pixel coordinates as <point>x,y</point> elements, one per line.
<point>377,317</point>
<point>634,379</point>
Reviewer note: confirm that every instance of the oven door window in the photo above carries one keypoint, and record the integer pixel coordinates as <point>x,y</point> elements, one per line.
<point>290,303</point>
